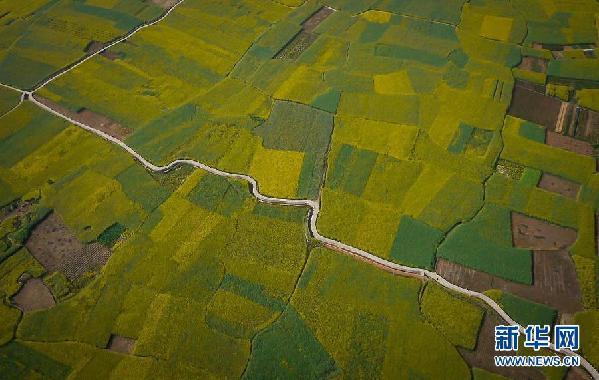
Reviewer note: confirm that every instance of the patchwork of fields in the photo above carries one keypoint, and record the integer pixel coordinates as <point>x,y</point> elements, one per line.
<point>458,137</point>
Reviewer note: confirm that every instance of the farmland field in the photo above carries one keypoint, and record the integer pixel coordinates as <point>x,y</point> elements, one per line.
<point>269,189</point>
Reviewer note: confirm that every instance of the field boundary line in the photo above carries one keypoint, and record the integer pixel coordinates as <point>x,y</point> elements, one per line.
<point>87,57</point>
<point>314,206</point>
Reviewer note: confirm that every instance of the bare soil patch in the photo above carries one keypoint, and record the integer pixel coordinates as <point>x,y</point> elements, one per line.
<point>531,105</point>
<point>537,234</point>
<point>559,185</point>
<point>58,249</point>
<point>166,4</point>
<point>558,47</point>
<point>121,344</point>
<point>103,123</point>
<point>319,16</point>
<point>90,118</point>
<point>482,356</point>
<point>566,118</point>
<point>536,64</point>
<point>297,45</point>
<point>555,275</point>
<point>306,37</point>
<point>588,125</point>
<point>34,295</point>
<point>568,143</point>
<point>95,46</point>
<point>577,373</point>
<point>531,86</point>
<point>555,283</point>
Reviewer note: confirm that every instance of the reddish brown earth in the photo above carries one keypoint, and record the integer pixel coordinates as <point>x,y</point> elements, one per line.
<point>533,64</point>
<point>559,185</point>
<point>306,37</point>
<point>88,117</point>
<point>558,50</point>
<point>58,249</point>
<point>555,283</point>
<point>530,105</point>
<point>482,356</point>
<point>102,123</point>
<point>577,373</point>
<point>531,86</point>
<point>166,4</point>
<point>34,295</point>
<point>96,46</point>
<point>121,344</point>
<point>566,119</point>
<point>311,23</point>
<point>588,125</point>
<point>568,143</point>
<point>537,234</point>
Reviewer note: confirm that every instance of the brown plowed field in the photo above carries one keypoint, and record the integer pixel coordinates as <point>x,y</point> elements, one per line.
<point>568,143</point>
<point>121,344</point>
<point>482,356</point>
<point>534,106</point>
<point>90,118</point>
<point>555,283</point>
<point>559,185</point>
<point>536,234</point>
<point>58,249</point>
<point>536,64</point>
<point>166,4</point>
<point>34,295</point>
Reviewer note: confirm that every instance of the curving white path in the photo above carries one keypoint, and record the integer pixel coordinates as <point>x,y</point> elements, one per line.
<point>70,67</point>
<point>314,212</point>
<point>312,204</point>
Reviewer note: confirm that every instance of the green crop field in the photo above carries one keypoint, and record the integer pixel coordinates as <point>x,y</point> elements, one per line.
<point>457,137</point>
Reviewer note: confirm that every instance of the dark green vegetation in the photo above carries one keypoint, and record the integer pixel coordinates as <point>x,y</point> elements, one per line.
<point>485,243</point>
<point>289,350</point>
<point>200,279</point>
<point>8,100</point>
<point>527,312</point>
<point>32,35</point>
<point>111,235</point>
<point>18,219</point>
<point>415,243</point>
<point>299,128</point>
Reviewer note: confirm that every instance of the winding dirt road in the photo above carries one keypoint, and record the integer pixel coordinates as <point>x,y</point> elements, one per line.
<point>314,212</point>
